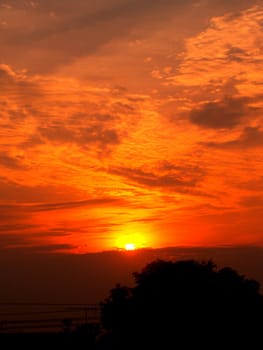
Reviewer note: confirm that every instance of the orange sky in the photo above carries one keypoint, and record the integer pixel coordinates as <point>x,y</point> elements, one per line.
<point>127,121</point>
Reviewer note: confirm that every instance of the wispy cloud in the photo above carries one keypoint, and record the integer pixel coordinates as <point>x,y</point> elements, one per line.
<point>163,176</point>
<point>96,202</point>
<point>130,116</point>
<point>10,162</point>
<point>251,137</point>
<point>252,201</point>
<point>96,133</point>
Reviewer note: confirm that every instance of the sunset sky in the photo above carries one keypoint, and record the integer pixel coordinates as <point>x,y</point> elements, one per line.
<point>130,122</point>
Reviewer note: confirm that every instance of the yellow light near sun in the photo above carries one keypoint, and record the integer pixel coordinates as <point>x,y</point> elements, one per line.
<point>130,241</point>
<point>130,246</point>
<point>133,235</point>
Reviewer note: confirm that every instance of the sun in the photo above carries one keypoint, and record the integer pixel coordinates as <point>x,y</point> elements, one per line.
<point>131,239</point>
<point>130,246</point>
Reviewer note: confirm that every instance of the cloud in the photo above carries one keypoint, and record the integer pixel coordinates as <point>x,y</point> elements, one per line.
<point>97,133</point>
<point>75,29</point>
<point>8,240</point>
<point>57,133</point>
<point>237,54</point>
<point>21,193</point>
<point>251,137</point>
<point>164,176</point>
<point>224,114</point>
<point>11,162</point>
<point>12,213</point>
<point>57,125</point>
<point>6,74</point>
<point>94,133</point>
<point>55,32</point>
<point>31,207</point>
<point>32,141</point>
<point>29,243</point>
<point>253,184</point>
<point>96,202</point>
<point>228,47</point>
<point>89,119</point>
<point>15,227</point>
<point>49,248</point>
<point>252,201</point>
<point>16,84</point>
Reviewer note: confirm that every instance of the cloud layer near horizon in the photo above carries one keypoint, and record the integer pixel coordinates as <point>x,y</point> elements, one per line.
<point>125,120</point>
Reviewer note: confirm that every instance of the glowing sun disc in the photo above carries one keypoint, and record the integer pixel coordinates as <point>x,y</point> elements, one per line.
<point>130,246</point>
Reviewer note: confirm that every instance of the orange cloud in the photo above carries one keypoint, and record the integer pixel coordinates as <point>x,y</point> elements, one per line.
<point>128,120</point>
<point>250,138</point>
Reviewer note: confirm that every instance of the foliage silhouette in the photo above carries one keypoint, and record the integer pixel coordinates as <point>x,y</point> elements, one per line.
<point>183,305</point>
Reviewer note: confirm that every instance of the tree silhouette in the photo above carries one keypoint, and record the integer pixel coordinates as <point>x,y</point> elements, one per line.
<point>183,305</point>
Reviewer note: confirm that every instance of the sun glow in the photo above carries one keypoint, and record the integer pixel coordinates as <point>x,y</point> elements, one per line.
<point>130,246</point>
<point>129,239</point>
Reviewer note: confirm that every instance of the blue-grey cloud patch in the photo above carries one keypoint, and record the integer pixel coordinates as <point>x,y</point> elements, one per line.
<point>251,137</point>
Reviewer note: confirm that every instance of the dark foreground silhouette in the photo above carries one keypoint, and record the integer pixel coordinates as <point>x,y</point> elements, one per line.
<point>180,305</point>
<point>184,305</point>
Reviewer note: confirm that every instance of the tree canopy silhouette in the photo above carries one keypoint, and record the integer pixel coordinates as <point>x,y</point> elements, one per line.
<point>181,304</point>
